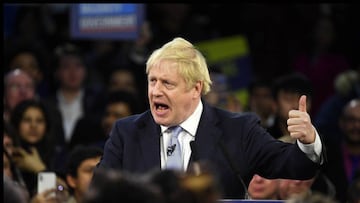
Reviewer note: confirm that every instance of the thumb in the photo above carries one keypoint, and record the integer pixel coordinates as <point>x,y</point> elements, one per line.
<point>302,103</point>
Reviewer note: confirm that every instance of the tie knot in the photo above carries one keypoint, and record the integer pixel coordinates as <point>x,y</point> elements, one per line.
<point>175,131</point>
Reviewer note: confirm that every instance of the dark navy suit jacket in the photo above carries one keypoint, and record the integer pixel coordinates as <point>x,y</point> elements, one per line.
<point>134,146</point>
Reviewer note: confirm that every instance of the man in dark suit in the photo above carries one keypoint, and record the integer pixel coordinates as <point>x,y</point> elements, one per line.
<point>234,144</point>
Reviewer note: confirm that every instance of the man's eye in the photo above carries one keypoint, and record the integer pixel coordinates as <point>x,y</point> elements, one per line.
<point>168,85</point>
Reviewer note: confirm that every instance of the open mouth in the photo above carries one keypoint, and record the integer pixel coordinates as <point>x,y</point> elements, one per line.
<point>161,106</point>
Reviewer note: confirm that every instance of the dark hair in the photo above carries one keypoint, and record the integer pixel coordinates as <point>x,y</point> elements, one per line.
<point>168,181</point>
<point>126,97</point>
<point>19,110</point>
<point>78,155</point>
<point>113,186</point>
<point>45,146</point>
<point>293,83</point>
<point>67,49</point>
<point>21,49</point>
<point>259,82</point>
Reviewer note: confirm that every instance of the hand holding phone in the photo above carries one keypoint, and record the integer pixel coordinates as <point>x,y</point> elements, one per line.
<point>46,181</point>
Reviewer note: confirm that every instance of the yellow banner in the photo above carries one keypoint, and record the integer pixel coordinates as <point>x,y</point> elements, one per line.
<point>227,48</point>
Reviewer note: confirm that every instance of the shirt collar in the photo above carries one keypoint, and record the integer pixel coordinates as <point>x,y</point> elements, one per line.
<point>61,97</point>
<point>190,125</point>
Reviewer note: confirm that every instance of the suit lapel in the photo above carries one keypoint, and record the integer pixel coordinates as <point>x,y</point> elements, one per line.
<point>149,141</point>
<point>208,134</point>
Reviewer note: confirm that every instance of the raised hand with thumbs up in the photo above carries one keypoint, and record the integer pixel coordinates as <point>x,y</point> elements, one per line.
<point>299,123</point>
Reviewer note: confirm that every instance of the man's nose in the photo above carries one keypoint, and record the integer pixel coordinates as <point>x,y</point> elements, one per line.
<point>157,89</point>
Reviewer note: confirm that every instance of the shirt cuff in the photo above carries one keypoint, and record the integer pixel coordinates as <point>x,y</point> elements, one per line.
<point>313,150</point>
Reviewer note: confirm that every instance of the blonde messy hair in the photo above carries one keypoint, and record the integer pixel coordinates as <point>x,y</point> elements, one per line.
<point>190,63</point>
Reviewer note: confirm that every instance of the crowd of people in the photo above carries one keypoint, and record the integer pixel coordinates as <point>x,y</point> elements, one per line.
<point>63,96</point>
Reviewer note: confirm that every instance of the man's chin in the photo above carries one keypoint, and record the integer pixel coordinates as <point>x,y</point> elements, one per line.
<point>161,121</point>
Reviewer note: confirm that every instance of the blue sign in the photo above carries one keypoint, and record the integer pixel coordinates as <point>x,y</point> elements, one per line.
<point>106,20</point>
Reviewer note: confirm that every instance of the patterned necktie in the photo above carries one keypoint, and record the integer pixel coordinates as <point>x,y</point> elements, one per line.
<point>173,151</point>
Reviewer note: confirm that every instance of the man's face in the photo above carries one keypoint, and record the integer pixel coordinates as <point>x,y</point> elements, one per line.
<point>71,73</point>
<point>262,102</point>
<point>19,87</point>
<point>262,188</point>
<point>122,80</point>
<point>171,101</point>
<point>84,175</point>
<point>288,187</point>
<point>350,123</point>
<point>113,112</point>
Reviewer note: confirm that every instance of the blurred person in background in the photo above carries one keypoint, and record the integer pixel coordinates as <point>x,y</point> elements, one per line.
<point>118,104</point>
<point>73,98</point>
<point>344,156</point>
<point>261,101</point>
<point>114,186</point>
<point>197,185</point>
<point>168,182</point>
<point>33,150</point>
<point>33,62</point>
<point>347,87</point>
<point>217,95</point>
<point>15,190</point>
<point>36,151</point>
<point>122,79</point>
<point>79,170</point>
<point>203,187</point>
<point>262,188</point>
<point>287,90</point>
<point>290,188</point>
<point>311,198</point>
<point>221,96</point>
<point>125,79</point>
<point>320,183</point>
<point>18,86</point>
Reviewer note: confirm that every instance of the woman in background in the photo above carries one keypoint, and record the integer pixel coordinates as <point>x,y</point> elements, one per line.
<point>35,151</point>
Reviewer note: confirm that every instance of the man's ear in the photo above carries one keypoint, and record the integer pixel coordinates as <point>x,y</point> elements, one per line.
<point>71,181</point>
<point>198,88</point>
